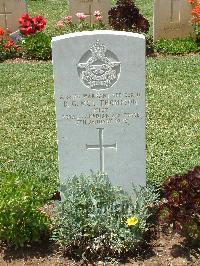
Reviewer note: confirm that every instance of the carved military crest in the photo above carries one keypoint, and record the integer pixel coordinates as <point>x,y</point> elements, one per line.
<point>99,68</point>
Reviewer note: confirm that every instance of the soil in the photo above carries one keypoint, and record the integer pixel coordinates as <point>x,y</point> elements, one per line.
<point>163,250</point>
<point>23,61</point>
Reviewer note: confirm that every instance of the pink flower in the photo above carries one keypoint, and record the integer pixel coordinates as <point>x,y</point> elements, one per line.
<point>97,13</point>
<point>68,19</point>
<point>99,18</point>
<point>60,24</point>
<point>81,16</point>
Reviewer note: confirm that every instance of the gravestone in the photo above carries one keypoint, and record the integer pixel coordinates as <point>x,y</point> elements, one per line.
<point>88,7</point>
<point>172,19</point>
<point>16,36</point>
<point>100,105</point>
<point>10,12</point>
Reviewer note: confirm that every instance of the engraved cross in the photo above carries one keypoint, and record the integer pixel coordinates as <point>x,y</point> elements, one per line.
<point>101,147</point>
<point>5,13</point>
<point>175,11</point>
<point>90,14</point>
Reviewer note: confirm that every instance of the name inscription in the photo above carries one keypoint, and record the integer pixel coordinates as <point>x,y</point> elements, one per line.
<point>101,108</point>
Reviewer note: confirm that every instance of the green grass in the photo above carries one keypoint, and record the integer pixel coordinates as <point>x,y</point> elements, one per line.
<point>53,10</point>
<point>28,139</point>
<point>28,133</point>
<point>176,46</point>
<point>173,90</point>
<point>146,8</point>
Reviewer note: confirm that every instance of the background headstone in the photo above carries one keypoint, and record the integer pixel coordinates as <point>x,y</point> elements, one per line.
<point>10,12</point>
<point>88,7</point>
<point>100,105</point>
<point>172,19</point>
<point>16,36</point>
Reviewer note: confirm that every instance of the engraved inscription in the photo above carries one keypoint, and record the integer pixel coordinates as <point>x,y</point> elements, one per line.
<point>99,68</point>
<point>101,147</point>
<point>101,108</point>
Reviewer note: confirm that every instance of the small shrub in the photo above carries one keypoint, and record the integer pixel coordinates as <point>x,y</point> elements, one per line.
<point>125,16</point>
<point>9,50</point>
<point>36,46</point>
<point>21,221</point>
<point>196,17</point>
<point>176,46</point>
<point>98,220</point>
<point>180,207</point>
<point>65,25</point>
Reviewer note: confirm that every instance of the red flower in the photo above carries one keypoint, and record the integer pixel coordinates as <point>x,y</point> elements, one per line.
<point>196,10</point>
<point>192,2</point>
<point>10,45</point>
<point>31,25</point>
<point>25,20</point>
<point>195,19</point>
<point>39,22</point>
<point>2,32</point>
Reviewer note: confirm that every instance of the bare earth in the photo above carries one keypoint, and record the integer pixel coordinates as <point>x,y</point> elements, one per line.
<point>164,250</point>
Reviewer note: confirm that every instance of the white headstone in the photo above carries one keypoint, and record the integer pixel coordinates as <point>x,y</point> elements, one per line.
<point>100,105</point>
<point>88,7</point>
<point>10,12</point>
<point>172,19</point>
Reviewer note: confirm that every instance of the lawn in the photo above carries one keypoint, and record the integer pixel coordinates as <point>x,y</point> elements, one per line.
<point>28,147</point>
<point>53,10</point>
<point>28,130</point>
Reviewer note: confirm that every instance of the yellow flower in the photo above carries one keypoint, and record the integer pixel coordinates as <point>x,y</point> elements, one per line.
<point>132,221</point>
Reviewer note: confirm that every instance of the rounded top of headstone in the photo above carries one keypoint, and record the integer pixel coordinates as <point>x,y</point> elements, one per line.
<point>98,32</point>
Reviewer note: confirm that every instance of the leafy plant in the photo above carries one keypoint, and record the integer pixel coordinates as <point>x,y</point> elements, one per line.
<point>8,49</point>
<point>65,25</point>
<point>36,46</point>
<point>176,46</point>
<point>125,16</point>
<point>196,17</point>
<point>21,221</point>
<point>181,204</point>
<point>97,220</point>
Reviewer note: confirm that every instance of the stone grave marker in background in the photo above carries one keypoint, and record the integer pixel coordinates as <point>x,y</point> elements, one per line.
<point>16,36</point>
<point>10,11</point>
<point>88,7</point>
<point>100,105</point>
<point>172,19</point>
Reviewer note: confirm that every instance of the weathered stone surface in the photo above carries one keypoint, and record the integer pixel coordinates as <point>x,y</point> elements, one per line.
<point>172,19</point>
<point>10,12</point>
